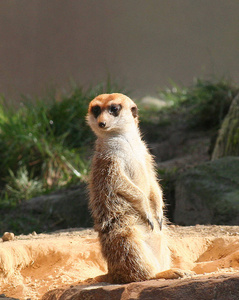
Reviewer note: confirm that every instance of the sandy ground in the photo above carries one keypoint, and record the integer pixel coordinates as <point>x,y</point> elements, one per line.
<point>31,265</point>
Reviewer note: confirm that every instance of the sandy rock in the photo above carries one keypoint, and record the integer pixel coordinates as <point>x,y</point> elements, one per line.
<point>8,236</point>
<point>221,287</point>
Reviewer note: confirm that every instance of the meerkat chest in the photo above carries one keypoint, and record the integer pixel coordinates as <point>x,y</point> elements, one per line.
<point>136,168</point>
<point>133,157</point>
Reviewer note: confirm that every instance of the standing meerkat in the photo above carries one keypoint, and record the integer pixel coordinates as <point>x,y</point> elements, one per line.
<point>126,200</point>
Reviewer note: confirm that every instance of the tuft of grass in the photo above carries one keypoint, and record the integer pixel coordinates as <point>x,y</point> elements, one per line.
<point>205,103</point>
<point>22,186</point>
<point>44,144</point>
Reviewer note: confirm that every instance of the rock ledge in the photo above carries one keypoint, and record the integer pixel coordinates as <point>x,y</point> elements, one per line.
<point>224,287</point>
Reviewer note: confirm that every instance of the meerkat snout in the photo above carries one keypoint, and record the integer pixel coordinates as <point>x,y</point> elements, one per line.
<point>102,124</point>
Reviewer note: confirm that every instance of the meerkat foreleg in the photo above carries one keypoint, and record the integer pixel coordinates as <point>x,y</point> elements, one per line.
<point>134,195</point>
<point>156,199</point>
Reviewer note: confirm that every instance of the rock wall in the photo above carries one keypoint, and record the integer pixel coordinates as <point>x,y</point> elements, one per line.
<point>208,193</point>
<point>227,143</point>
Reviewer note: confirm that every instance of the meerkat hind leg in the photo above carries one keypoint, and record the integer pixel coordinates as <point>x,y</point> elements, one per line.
<point>132,260</point>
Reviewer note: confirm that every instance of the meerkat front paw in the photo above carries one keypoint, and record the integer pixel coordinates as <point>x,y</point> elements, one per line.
<point>159,217</point>
<point>160,222</point>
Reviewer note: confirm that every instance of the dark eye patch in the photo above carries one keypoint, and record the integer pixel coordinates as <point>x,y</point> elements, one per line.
<point>96,111</point>
<point>114,109</point>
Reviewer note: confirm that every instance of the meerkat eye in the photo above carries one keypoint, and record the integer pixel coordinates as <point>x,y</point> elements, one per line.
<point>114,109</point>
<point>96,110</point>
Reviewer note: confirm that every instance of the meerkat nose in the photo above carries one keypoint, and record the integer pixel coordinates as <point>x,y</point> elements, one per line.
<point>102,124</point>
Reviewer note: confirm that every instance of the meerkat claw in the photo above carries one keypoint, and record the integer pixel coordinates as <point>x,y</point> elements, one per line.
<point>151,224</point>
<point>160,221</point>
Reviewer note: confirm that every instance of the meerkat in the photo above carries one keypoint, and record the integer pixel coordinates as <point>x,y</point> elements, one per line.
<point>126,200</point>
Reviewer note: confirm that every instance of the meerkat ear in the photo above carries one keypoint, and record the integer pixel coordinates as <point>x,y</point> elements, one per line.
<point>134,111</point>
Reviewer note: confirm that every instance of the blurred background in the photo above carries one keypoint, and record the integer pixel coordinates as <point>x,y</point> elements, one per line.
<point>179,60</point>
<point>142,44</point>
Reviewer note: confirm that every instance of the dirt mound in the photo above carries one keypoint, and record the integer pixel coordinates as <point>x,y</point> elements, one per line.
<point>34,264</point>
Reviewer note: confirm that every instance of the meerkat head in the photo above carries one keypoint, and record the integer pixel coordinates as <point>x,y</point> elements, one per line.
<point>112,114</point>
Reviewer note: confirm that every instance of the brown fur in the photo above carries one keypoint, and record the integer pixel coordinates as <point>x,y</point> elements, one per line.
<point>125,198</point>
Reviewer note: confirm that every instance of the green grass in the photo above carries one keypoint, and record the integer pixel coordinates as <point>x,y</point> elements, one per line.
<point>204,104</point>
<point>44,144</point>
<point>201,106</point>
